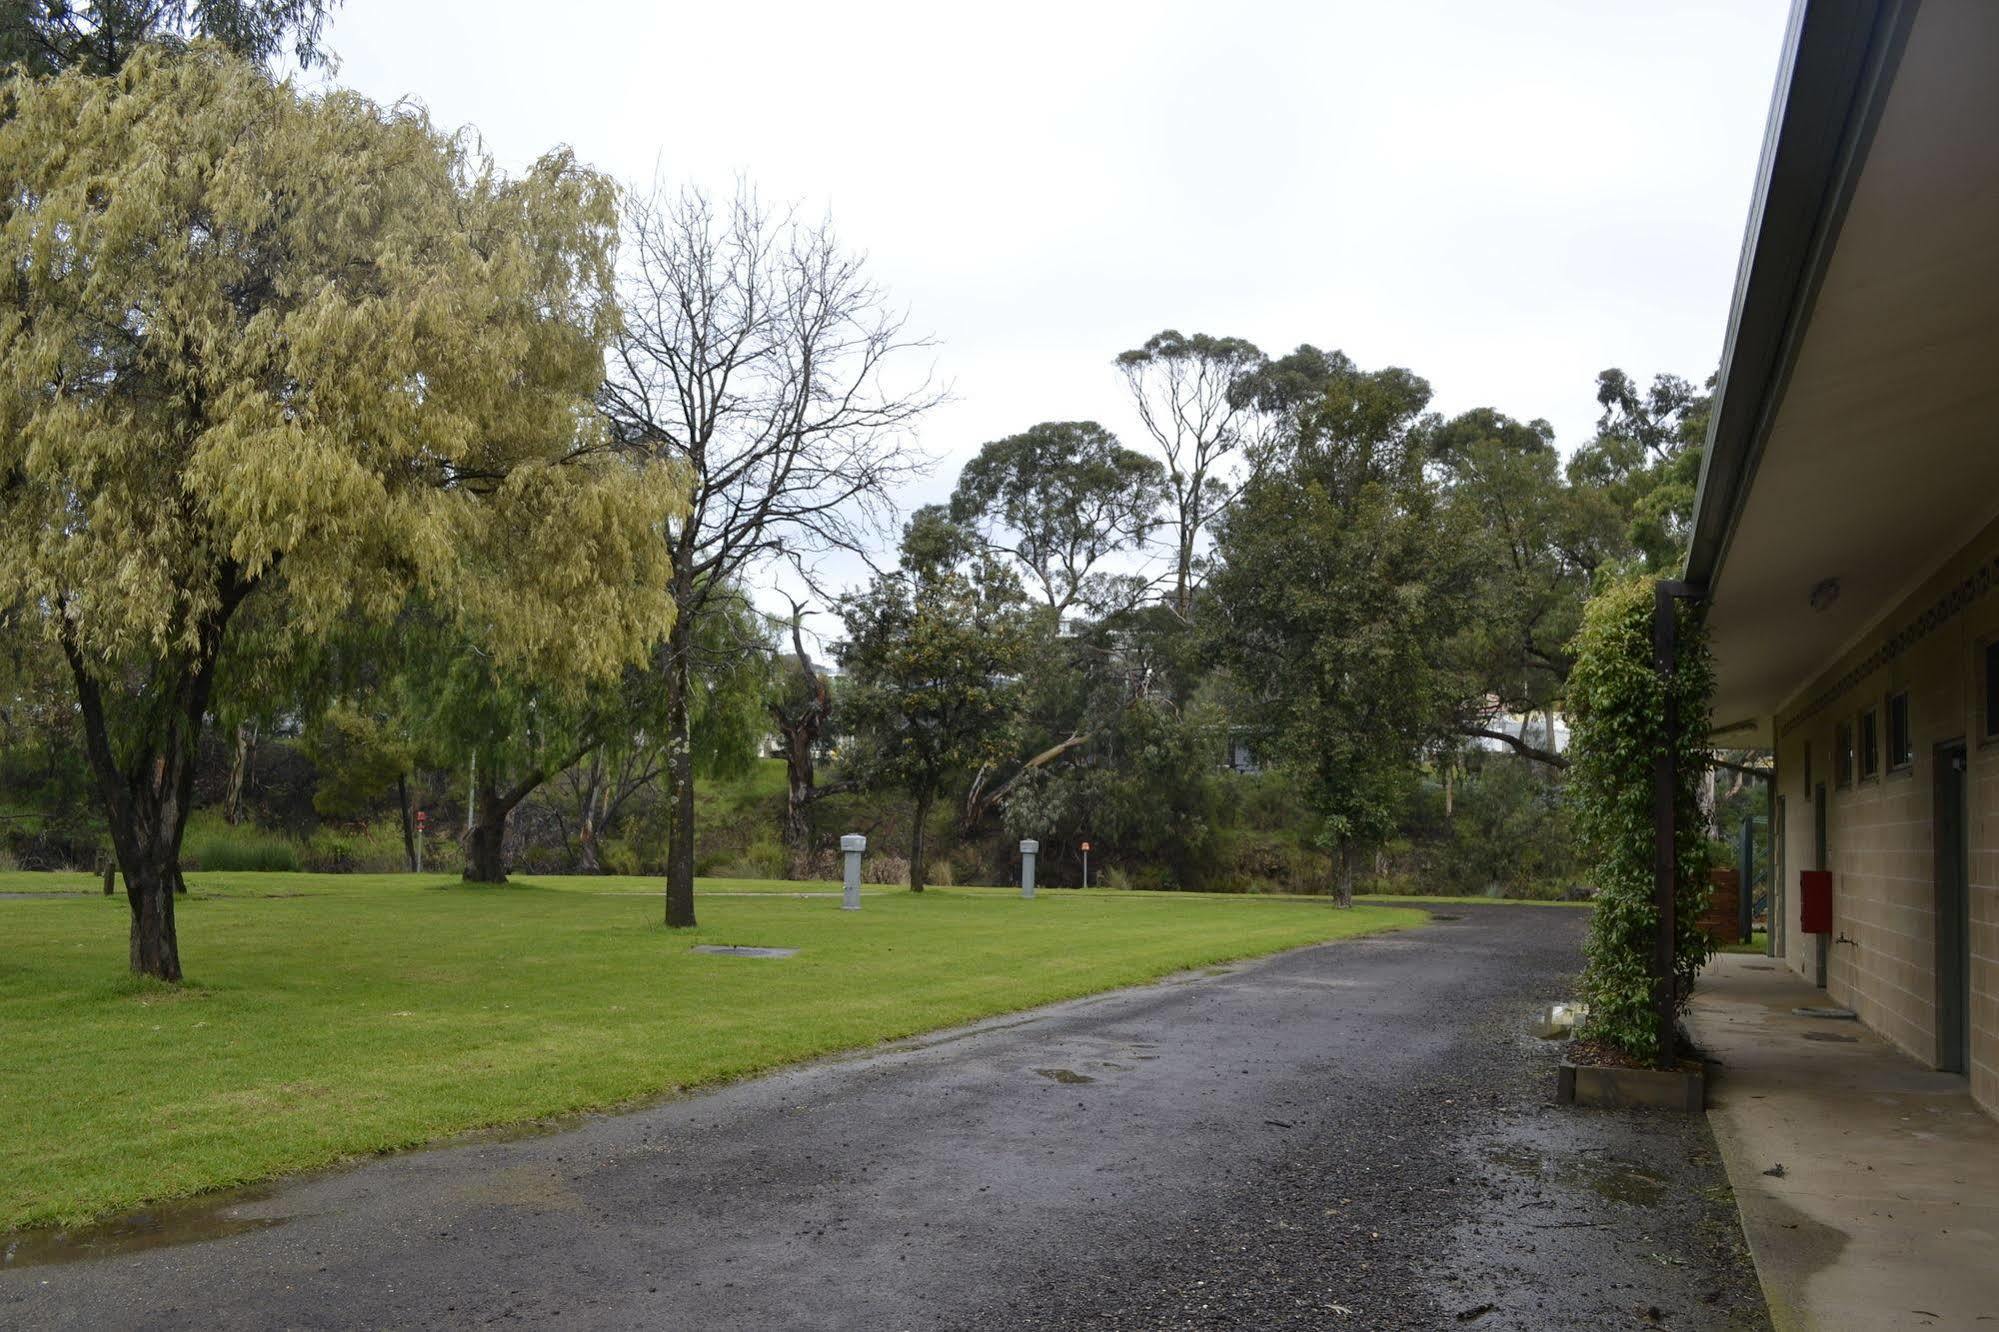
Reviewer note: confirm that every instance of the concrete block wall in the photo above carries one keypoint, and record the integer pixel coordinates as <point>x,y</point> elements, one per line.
<point>1880,829</point>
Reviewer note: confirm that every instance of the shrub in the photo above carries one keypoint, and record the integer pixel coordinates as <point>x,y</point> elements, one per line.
<point>885,868</point>
<point>1617,709</point>
<point>211,844</point>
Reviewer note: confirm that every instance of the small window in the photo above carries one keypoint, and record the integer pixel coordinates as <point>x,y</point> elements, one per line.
<point>1901,749</point>
<point>1842,753</point>
<point>1992,690</point>
<point>1870,744</point>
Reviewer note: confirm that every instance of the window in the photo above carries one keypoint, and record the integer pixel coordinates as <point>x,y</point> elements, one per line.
<point>1870,745</point>
<point>1901,748</point>
<point>1992,690</point>
<point>1842,753</point>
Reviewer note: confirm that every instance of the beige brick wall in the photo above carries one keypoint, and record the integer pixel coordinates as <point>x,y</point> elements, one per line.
<point>1880,833</point>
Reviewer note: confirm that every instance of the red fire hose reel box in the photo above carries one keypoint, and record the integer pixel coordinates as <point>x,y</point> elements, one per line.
<point>1815,901</point>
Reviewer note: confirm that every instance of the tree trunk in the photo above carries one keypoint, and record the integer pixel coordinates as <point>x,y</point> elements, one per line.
<point>798,798</point>
<point>919,844</point>
<point>1343,880</point>
<point>239,771</point>
<point>409,823</point>
<point>680,783</point>
<point>485,844</point>
<point>589,817</point>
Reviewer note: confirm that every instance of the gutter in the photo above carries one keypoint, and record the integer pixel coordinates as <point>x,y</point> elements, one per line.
<point>1838,68</point>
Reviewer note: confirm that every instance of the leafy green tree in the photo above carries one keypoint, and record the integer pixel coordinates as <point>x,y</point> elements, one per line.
<point>99,36</point>
<point>305,350</point>
<point>1060,498</point>
<point>1502,478</point>
<point>1189,391</point>
<point>1340,583</point>
<point>1636,478</point>
<point>931,664</point>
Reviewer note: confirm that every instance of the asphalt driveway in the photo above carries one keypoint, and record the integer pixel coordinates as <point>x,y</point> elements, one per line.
<point>1353,1135</point>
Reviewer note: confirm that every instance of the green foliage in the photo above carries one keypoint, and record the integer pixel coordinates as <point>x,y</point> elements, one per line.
<point>212,845</point>
<point>1341,579</point>
<point>931,661</point>
<point>358,756</point>
<point>99,36</point>
<point>1635,481</point>
<point>1508,833</point>
<point>1617,708</point>
<point>1059,498</point>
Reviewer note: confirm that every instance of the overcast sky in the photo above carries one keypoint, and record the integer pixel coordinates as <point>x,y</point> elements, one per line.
<point>1505,198</point>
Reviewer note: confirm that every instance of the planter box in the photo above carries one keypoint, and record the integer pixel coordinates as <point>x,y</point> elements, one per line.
<point>1620,1088</point>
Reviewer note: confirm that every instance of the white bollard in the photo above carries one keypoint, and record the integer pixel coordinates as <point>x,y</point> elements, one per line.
<point>1027,849</point>
<point>851,847</point>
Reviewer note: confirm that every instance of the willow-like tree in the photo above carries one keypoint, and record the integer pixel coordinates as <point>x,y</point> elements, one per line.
<point>308,350</point>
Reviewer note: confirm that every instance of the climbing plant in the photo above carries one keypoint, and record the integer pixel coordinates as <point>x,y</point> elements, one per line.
<point>1617,709</point>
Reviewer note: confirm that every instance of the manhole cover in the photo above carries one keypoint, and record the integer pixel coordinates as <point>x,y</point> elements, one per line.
<point>1831,1036</point>
<point>741,950</point>
<point>1757,966</point>
<point>1839,1014</point>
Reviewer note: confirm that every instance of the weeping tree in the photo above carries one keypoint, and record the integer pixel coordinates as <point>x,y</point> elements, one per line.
<point>758,357</point>
<point>100,36</point>
<point>304,350</point>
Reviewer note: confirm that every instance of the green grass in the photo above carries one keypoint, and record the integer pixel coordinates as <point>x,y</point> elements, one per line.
<point>1427,899</point>
<point>330,1016</point>
<point>1759,942</point>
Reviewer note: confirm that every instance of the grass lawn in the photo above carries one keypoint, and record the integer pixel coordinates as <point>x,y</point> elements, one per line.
<point>1439,899</point>
<point>1759,942</point>
<point>330,1016</point>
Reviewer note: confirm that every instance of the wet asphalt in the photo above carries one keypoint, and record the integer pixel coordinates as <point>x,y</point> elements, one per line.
<point>1358,1135</point>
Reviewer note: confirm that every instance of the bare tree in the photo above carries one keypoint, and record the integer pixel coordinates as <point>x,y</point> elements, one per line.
<point>1188,391</point>
<point>754,355</point>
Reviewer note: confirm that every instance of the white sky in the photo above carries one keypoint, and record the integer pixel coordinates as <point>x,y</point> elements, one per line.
<point>1505,198</point>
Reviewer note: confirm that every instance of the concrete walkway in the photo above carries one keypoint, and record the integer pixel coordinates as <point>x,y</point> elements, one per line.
<point>1886,1214</point>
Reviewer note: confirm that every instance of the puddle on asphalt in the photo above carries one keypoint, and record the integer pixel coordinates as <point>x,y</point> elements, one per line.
<point>1617,1181</point>
<point>1064,1075</point>
<point>186,1222</point>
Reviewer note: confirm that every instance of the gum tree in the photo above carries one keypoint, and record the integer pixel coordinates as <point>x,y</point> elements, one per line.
<point>303,350</point>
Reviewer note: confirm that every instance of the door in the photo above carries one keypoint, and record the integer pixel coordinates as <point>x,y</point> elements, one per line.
<point>1780,869</point>
<point>1819,862</point>
<point>1953,913</point>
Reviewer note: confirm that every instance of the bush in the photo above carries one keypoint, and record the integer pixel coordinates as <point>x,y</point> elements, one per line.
<point>211,844</point>
<point>1617,709</point>
<point>885,868</point>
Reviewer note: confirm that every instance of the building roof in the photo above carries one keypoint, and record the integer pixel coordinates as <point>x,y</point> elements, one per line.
<point>1850,451</point>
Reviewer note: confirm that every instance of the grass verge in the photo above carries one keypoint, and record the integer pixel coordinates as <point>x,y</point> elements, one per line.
<point>331,1016</point>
